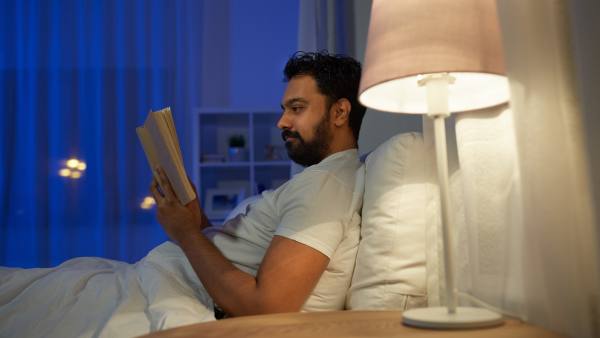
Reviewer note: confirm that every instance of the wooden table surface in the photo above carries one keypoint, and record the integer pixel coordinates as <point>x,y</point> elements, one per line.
<point>340,324</point>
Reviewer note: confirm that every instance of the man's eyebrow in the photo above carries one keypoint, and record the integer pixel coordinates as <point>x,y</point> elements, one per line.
<point>292,101</point>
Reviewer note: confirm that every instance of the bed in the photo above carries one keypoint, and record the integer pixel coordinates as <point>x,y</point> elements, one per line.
<point>161,290</point>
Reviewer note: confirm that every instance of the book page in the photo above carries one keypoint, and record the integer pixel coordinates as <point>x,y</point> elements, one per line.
<point>149,148</point>
<point>171,124</point>
<point>162,148</point>
<point>165,123</point>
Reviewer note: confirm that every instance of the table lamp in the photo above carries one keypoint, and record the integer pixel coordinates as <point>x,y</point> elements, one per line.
<point>436,57</point>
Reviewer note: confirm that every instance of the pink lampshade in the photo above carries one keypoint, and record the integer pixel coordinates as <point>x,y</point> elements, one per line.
<point>410,38</point>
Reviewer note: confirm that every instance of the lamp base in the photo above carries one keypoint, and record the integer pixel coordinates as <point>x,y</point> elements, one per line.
<point>463,318</point>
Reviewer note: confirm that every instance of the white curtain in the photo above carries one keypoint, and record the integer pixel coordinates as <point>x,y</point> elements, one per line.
<point>527,239</point>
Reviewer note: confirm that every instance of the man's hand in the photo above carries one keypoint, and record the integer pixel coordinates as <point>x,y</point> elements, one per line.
<point>177,220</point>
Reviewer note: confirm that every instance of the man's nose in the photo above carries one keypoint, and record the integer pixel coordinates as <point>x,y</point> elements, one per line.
<point>284,122</point>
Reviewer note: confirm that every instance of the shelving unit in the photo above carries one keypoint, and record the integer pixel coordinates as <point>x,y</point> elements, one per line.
<point>222,181</point>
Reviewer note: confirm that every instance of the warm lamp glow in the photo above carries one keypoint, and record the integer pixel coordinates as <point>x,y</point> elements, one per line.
<point>470,91</point>
<point>411,38</point>
<point>147,203</point>
<point>72,163</point>
<point>73,168</point>
<point>64,172</point>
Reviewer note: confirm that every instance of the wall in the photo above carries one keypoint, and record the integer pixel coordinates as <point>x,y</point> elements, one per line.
<point>246,45</point>
<point>263,36</point>
<point>377,126</point>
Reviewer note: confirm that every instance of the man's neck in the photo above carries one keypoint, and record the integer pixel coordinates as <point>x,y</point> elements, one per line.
<point>342,144</point>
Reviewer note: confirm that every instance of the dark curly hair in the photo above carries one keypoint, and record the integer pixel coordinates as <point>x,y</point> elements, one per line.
<point>337,77</point>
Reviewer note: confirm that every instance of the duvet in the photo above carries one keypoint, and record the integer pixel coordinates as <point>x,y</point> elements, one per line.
<point>94,297</point>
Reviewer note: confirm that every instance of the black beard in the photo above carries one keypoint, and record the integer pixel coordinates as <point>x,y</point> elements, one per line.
<point>309,153</point>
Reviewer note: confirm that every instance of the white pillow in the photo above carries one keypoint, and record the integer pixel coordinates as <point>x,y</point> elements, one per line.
<point>390,265</point>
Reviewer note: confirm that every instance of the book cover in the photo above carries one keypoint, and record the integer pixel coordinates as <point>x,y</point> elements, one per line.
<point>161,146</point>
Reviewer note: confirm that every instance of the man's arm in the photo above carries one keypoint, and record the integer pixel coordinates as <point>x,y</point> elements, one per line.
<point>288,273</point>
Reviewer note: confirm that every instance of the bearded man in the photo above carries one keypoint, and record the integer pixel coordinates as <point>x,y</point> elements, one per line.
<point>294,248</point>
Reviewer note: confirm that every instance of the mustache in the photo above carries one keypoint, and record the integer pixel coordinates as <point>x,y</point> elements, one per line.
<point>288,133</point>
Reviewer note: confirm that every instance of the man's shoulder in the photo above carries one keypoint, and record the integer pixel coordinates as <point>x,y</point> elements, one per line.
<point>339,170</point>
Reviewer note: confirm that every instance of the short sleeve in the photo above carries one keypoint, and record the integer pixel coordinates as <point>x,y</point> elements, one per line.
<point>314,209</point>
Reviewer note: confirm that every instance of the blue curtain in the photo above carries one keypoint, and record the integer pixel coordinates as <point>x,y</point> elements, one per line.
<point>76,78</point>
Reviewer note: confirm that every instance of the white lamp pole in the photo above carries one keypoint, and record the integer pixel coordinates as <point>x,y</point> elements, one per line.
<point>450,316</point>
<point>437,103</point>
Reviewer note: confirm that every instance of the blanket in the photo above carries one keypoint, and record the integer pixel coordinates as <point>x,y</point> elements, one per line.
<point>95,297</point>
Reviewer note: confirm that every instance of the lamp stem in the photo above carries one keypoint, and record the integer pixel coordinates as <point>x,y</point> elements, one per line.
<point>437,102</point>
<point>447,226</point>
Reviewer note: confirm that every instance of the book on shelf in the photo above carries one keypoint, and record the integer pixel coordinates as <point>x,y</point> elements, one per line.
<point>161,146</point>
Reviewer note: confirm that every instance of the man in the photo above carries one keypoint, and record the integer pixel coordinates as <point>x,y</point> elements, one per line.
<point>293,249</point>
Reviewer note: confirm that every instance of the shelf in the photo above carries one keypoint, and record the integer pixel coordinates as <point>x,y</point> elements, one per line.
<point>272,163</point>
<point>223,164</point>
<point>243,164</point>
<point>239,110</point>
<point>265,164</point>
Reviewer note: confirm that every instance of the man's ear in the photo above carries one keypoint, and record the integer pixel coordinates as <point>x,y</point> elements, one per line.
<point>341,112</point>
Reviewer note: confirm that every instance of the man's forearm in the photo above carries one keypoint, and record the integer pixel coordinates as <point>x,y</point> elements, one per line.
<point>235,291</point>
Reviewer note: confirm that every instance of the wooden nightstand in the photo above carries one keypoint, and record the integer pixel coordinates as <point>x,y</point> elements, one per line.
<point>340,324</point>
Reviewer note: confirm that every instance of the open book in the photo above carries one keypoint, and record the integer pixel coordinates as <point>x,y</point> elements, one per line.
<point>161,146</point>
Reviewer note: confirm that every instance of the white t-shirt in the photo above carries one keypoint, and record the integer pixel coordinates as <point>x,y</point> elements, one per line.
<point>318,207</point>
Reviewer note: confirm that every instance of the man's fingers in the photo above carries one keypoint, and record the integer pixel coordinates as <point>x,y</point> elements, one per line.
<point>155,192</point>
<point>165,185</point>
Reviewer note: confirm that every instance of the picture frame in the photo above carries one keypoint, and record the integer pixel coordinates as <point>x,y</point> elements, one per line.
<point>221,201</point>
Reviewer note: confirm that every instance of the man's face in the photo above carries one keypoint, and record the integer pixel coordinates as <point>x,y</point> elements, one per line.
<point>305,121</point>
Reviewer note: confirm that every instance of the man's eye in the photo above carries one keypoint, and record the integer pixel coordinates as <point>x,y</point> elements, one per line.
<point>297,109</point>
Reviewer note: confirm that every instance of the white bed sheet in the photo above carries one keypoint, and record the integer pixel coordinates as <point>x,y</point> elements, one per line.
<point>94,297</point>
